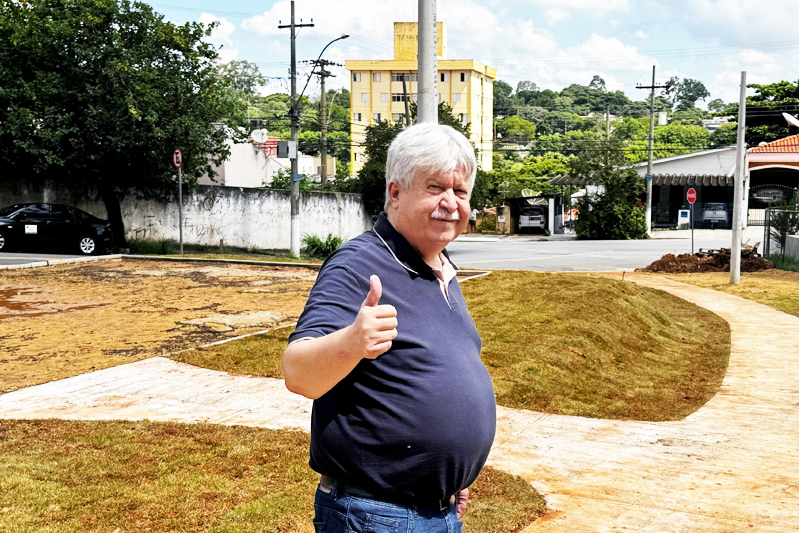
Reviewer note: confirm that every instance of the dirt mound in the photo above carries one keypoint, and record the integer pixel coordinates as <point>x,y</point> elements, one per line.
<point>718,261</point>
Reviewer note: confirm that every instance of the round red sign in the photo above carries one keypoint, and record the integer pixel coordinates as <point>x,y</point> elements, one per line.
<point>177,158</point>
<point>691,195</point>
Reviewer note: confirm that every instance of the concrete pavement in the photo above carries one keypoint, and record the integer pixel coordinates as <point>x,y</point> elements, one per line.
<point>731,466</point>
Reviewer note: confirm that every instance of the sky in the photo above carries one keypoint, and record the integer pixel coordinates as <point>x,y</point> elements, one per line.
<point>552,43</point>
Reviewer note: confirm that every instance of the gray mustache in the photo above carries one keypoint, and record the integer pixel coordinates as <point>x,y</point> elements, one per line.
<point>445,215</point>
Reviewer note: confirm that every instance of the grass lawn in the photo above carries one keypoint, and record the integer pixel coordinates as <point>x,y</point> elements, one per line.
<point>565,344</point>
<point>60,476</point>
<point>776,288</point>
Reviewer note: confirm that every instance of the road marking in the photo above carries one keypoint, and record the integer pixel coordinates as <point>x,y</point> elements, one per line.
<point>524,258</point>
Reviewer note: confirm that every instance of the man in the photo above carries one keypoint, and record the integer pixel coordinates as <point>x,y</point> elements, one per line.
<point>404,413</point>
<point>473,220</point>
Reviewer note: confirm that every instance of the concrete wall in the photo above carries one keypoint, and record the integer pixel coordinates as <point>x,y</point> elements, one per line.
<point>242,217</point>
<point>792,246</point>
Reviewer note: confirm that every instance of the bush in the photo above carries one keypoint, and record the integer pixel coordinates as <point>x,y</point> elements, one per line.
<point>606,217</point>
<point>153,247</point>
<point>318,248</point>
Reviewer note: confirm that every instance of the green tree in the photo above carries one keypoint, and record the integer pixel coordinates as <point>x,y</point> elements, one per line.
<point>515,128</point>
<point>716,106</point>
<point>724,135</point>
<point>96,94</point>
<point>685,93</point>
<point>371,180</point>
<point>242,76</point>
<point>617,211</point>
<point>764,120</point>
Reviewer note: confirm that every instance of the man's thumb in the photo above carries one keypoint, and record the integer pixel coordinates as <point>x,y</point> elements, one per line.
<point>375,292</point>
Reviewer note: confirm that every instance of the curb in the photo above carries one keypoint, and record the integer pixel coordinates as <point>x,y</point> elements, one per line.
<point>55,262</point>
<point>126,257</point>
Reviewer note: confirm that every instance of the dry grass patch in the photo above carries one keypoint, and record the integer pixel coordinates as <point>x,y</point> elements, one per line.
<point>566,344</point>
<point>63,321</point>
<point>776,288</point>
<point>141,476</point>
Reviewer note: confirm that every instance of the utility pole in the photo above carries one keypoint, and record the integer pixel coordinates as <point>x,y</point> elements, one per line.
<point>738,195</point>
<point>322,63</point>
<point>649,166</point>
<point>294,115</point>
<point>406,97</point>
<point>427,110</point>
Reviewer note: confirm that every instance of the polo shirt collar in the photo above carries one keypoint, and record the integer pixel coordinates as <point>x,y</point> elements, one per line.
<point>402,250</point>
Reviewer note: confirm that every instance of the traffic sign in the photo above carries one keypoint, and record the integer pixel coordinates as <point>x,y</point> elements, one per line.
<point>691,195</point>
<point>177,158</point>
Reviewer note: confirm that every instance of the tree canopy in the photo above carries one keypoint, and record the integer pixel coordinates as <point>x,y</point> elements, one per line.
<point>96,94</point>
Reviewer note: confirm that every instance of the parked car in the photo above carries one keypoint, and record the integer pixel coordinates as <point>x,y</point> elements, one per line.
<point>532,218</point>
<point>53,225</point>
<point>715,214</point>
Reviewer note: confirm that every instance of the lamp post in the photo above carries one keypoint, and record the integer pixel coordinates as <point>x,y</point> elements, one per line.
<point>294,113</point>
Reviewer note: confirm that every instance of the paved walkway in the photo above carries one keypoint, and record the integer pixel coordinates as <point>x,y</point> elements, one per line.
<point>731,466</point>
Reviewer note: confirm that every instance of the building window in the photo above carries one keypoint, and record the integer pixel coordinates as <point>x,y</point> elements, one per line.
<point>400,76</point>
<point>456,98</point>
<point>397,117</point>
<point>464,118</point>
<point>445,76</point>
<point>376,116</point>
<point>358,157</point>
<point>384,97</point>
<point>356,76</point>
<point>375,76</point>
<point>398,97</point>
<point>364,97</point>
<point>357,117</point>
<point>463,76</point>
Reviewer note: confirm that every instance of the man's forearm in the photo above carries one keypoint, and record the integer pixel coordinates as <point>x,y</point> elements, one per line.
<point>314,366</point>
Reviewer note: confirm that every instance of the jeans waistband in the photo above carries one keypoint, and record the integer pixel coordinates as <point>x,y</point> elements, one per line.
<point>337,486</point>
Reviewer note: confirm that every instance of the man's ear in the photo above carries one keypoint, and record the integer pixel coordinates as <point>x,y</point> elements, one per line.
<point>393,193</point>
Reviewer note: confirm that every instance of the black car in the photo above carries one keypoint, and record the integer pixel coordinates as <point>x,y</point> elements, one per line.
<point>52,224</point>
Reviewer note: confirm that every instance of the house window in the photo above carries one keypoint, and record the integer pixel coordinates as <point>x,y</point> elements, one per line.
<point>398,97</point>
<point>456,98</point>
<point>384,97</point>
<point>357,117</point>
<point>400,76</point>
<point>375,76</point>
<point>464,117</point>
<point>445,76</point>
<point>376,116</point>
<point>463,76</point>
<point>364,97</point>
<point>356,76</point>
<point>397,117</point>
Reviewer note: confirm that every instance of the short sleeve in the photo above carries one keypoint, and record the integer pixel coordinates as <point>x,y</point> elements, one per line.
<point>333,304</point>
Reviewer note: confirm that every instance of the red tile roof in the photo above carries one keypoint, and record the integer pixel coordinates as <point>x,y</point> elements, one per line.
<point>786,145</point>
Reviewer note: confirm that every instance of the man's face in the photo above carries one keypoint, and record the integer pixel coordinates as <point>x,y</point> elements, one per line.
<point>432,212</point>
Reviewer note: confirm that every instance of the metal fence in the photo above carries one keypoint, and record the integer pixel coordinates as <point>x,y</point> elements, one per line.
<point>779,223</point>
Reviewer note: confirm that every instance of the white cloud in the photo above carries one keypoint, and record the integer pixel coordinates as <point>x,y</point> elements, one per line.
<point>641,34</point>
<point>556,15</point>
<point>601,6</point>
<point>221,36</point>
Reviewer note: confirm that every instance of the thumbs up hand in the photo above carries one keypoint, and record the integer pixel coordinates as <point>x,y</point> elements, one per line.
<point>374,327</point>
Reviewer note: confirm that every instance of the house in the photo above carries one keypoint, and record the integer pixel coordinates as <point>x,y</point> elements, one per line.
<point>377,91</point>
<point>254,163</point>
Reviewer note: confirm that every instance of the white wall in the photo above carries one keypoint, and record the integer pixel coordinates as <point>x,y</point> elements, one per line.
<point>248,166</point>
<point>792,246</point>
<point>243,217</point>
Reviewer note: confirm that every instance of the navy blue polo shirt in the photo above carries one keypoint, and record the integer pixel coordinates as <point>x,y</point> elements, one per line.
<point>417,422</point>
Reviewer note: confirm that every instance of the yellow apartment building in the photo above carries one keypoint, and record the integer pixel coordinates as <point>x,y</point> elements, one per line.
<point>376,91</point>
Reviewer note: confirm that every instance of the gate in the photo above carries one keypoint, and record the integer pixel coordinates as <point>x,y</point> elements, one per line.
<point>768,196</point>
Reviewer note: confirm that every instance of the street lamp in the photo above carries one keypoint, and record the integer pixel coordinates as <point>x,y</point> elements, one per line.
<point>343,36</point>
<point>295,130</point>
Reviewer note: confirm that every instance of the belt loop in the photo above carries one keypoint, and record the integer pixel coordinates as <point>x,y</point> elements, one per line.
<point>334,492</point>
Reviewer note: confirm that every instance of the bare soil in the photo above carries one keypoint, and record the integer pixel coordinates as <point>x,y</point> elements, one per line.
<point>691,263</point>
<point>63,321</point>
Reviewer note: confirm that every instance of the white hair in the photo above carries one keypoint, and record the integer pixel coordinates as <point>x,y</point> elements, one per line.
<point>429,148</point>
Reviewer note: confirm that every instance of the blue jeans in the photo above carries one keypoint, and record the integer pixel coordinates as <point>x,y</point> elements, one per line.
<point>340,513</point>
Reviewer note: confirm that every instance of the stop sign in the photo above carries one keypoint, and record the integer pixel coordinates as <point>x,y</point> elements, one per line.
<point>691,195</point>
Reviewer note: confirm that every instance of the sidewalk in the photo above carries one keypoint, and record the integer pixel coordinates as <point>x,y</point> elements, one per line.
<point>731,466</point>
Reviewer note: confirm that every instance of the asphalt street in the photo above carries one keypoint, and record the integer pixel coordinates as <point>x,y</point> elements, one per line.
<point>559,253</point>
